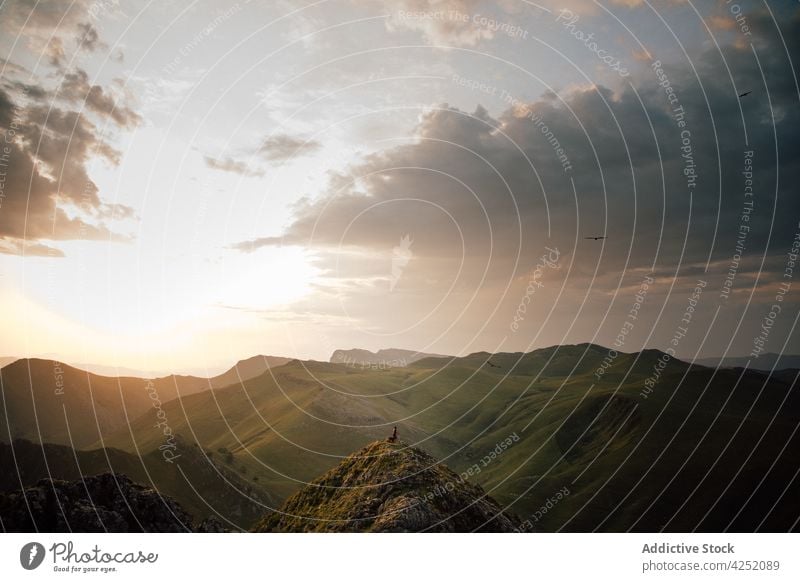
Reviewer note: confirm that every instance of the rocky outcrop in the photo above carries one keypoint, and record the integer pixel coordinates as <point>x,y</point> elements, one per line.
<point>102,503</point>
<point>389,487</point>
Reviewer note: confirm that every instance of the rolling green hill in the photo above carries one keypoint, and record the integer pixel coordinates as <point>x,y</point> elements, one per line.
<point>679,457</point>
<point>51,402</point>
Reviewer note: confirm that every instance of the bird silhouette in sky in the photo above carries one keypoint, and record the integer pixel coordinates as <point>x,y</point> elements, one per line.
<point>745,94</point>
<point>595,237</point>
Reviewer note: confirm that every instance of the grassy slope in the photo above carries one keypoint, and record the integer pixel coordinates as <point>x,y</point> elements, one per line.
<point>90,405</point>
<point>389,487</point>
<point>459,412</point>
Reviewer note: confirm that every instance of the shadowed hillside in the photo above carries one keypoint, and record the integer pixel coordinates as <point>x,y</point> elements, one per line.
<point>102,503</point>
<point>201,481</point>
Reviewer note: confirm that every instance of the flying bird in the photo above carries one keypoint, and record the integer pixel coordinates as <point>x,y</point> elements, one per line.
<point>745,94</point>
<point>595,237</point>
<point>491,364</point>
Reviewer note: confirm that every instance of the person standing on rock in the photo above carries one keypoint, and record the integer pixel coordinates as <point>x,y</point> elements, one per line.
<point>393,438</point>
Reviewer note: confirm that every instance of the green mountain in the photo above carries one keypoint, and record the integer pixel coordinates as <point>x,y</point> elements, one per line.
<point>246,369</point>
<point>649,443</point>
<point>389,487</point>
<point>51,402</point>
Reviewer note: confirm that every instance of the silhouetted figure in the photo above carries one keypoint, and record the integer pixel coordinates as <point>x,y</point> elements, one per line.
<point>393,438</point>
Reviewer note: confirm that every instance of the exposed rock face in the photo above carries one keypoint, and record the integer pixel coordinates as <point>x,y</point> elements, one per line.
<point>389,487</point>
<point>108,502</point>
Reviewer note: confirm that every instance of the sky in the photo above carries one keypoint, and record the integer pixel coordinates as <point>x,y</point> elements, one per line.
<point>186,184</point>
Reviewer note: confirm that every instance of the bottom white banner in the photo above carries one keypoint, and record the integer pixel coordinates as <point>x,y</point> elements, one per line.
<point>400,557</point>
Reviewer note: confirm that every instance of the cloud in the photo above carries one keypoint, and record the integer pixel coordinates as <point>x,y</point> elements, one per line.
<point>89,38</point>
<point>228,164</point>
<point>41,23</point>
<point>283,147</point>
<point>55,52</point>
<point>30,249</point>
<point>47,193</point>
<point>466,23</point>
<point>11,67</point>
<point>275,148</point>
<point>249,246</point>
<point>43,14</point>
<point>440,21</point>
<point>75,88</point>
<point>487,193</point>
<point>44,24</point>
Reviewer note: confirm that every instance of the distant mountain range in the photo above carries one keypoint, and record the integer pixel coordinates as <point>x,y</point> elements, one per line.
<point>382,359</point>
<point>641,441</point>
<point>765,362</point>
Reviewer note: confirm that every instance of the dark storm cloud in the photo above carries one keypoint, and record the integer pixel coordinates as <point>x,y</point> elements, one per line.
<point>283,147</point>
<point>500,184</point>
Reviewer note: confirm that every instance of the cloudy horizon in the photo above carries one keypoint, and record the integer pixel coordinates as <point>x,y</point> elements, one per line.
<point>186,186</point>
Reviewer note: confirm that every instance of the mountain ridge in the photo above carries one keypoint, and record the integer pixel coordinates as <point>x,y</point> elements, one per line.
<point>381,359</point>
<point>765,362</point>
<point>48,400</point>
<point>581,414</point>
